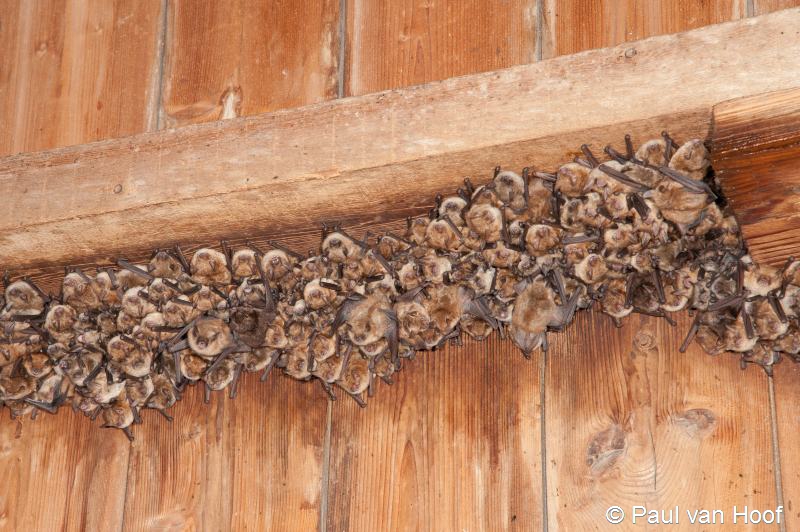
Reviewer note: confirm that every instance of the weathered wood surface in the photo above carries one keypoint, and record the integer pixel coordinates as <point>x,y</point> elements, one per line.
<point>408,42</point>
<point>243,57</point>
<point>454,444</point>
<point>76,72</point>
<point>760,7</point>
<point>631,421</point>
<point>439,436</point>
<point>253,463</point>
<point>571,26</point>
<point>787,397</point>
<point>756,150</point>
<point>223,60</point>
<point>223,179</point>
<point>71,72</point>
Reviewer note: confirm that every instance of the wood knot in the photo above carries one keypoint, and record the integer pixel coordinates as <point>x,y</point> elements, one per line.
<point>230,103</point>
<point>644,340</point>
<point>178,519</point>
<point>605,449</point>
<point>697,422</point>
<point>193,433</point>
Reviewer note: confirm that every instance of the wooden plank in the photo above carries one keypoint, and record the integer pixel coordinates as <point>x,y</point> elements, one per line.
<point>571,26</point>
<point>631,421</point>
<point>75,72</point>
<point>256,463</point>
<point>208,181</point>
<point>787,395</point>
<point>250,463</point>
<point>61,473</point>
<point>454,444</point>
<point>761,7</point>
<point>243,57</point>
<point>756,147</point>
<point>408,42</point>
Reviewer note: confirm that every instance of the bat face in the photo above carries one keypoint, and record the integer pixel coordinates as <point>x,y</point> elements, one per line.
<point>139,390</point>
<point>486,221</point>
<point>163,395</point>
<point>453,208</point>
<point>249,324</point>
<point>736,337</point>
<point>135,304</point>
<point>126,322</point>
<point>692,159</point>
<point>78,293</point>
<point>221,376</point>
<point>22,299</point>
<point>209,267</point>
<point>276,264</point>
<point>412,317</point>
<point>366,320</point>
<point>500,256</point>
<point>572,179</point>
<point>60,321</point>
<point>37,365</point>
<point>476,328</point>
<point>318,295</point>
<point>297,364</point>
<point>374,349</point>
<point>442,235</point>
<point>336,247</point>
<point>275,336</point>
<point>592,269</point>
<point>164,264</point>
<point>355,378</point>
<point>209,336</point>
<point>760,280</point>
<point>652,152</point>
<point>540,238</point>
<point>445,306</point>
<point>390,246</point>
<point>620,236</point>
<point>159,292</point>
<point>244,264</point>
<point>322,347</point>
<point>766,321</point>
<point>329,370</point>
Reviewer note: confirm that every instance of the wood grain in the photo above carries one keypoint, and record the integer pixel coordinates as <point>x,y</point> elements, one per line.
<point>210,181</point>
<point>631,421</point>
<point>75,72</point>
<point>761,7</point>
<point>787,395</point>
<point>454,444</point>
<point>571,26</point>
<point>61,473</point>
<point>408,42</point>
<point>265,448</point>
<point>225,60</point>
<point>72,72</point>
<point>756,147</point>
<point>244,57</point>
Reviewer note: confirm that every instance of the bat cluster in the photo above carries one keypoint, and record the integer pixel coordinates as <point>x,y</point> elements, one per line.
<point>645,231</point>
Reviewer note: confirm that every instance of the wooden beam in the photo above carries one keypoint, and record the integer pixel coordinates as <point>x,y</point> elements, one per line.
<point>378,156</point>
<point>756,154</point>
